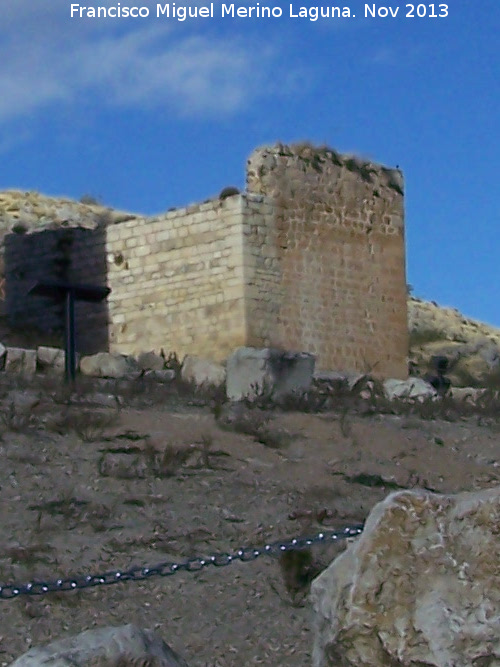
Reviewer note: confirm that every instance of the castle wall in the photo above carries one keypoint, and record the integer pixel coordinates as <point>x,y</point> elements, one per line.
<point>334,258</point>
<point>310,258</point>
<point>262,271</point>
<point>177,281</point>
<point>72,255</point>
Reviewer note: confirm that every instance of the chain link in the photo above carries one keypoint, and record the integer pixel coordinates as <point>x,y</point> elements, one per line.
<point>167,569</point>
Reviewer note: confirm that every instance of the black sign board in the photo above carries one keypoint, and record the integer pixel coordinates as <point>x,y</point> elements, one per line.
<point>70,293</point>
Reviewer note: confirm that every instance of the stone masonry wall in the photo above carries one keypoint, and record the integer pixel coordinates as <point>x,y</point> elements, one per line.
<point>310,258</point>
<point>329,259</point>
<point>72,255</point>
<point>262,272</point>
<point>177,281</point>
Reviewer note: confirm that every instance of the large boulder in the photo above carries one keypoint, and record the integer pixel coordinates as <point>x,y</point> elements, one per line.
<point>51,360</point>
<point>253,372</point>
<point>202,372</point>
<point>108,647</point>
<point>150,361</point>
<point>412,388</point>
<point>107,365</point>
<point>420,586</point>
<point>21,361</point>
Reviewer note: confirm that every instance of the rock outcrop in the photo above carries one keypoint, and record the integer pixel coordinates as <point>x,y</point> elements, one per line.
<point>472,348</point>
<point>24,212</point>
<point>107,647</point>
<point>420,586</point>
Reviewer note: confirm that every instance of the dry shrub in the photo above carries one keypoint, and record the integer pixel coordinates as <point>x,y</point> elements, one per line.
<point>166,462</point>
<point>89,425</point>
<point>16,419</point>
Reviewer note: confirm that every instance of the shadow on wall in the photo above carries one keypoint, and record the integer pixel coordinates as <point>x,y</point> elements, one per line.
<point>73,255</point>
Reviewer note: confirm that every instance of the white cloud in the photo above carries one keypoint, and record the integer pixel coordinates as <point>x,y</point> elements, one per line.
<point>50,59</point>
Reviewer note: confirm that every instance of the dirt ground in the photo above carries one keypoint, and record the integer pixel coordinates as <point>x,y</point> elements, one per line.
<point>86,489</point>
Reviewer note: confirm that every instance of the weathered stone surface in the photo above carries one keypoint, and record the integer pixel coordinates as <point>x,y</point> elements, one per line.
<point>305,302</point>
<point>477,367</point>
<point>469,395</point>
<point>419,587</point>
<point>51,360</point>
<point>104,364</point>
<point>355,381</point>
<point>20,361</point>
<point>202,372</point>
<point>150,361</point>
<point>331,376</point>
<point>165,375</point>
<point>411,388</point>
<point>472,348</point>
<point>3,354</point>
<point>252,372</point>
<point>36,212</point>
<point>108,647</point>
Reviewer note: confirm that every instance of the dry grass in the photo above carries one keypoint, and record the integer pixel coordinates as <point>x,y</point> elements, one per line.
<point>166,462</point>
<point>88,425</point>
<point>256,423</point>
<point>16,420</point>
<point>173,488</point>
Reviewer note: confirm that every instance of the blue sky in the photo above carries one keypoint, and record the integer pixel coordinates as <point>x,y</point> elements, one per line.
<point>150,113</point>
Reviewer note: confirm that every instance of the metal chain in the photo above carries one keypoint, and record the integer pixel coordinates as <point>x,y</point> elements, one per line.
<point>166,569</point>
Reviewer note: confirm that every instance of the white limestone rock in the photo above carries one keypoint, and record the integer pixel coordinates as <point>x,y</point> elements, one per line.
<point>19,360</point>
<point>51,360</point>
<point>420,586</point>
<point>150,361</point>
<point>412,388</point>
<point>107,647</point>
<point>252,372</point>
<point>202,372</point>
<point>105,364</point>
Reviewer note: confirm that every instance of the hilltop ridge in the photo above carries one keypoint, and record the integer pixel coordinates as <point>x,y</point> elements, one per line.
<point>25,212</point>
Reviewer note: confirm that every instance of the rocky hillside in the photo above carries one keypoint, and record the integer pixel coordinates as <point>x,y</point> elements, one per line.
<point>471,347</point>
<point>25,212</point>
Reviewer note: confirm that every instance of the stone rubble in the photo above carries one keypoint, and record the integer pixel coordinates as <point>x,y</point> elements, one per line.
<point>247,374</point>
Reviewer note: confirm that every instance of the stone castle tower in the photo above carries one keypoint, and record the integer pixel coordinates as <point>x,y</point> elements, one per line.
<point>311,257</point>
